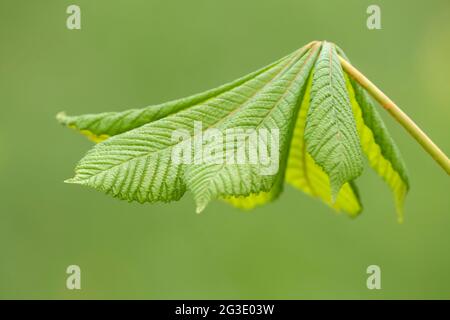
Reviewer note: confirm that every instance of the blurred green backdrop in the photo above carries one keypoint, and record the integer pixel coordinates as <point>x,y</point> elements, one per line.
<point>136,53</point>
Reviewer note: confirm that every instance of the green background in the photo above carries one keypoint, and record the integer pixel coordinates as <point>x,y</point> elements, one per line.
<point>136,53</point>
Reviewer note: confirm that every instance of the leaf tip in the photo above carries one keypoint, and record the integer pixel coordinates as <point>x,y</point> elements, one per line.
<point>201,207</point>
<point>74,180</point>
<point>400,213</point>
<point>61,117</point>
<point>335,192</point>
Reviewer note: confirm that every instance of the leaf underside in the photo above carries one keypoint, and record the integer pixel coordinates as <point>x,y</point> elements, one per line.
<point>325,120</point>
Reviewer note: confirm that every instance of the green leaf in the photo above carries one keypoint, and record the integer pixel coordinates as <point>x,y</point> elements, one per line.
<point>380,149</point>
<point>321,117</point>
<point>99,127</point>
<point>305,174</point>
<point>330,132</point>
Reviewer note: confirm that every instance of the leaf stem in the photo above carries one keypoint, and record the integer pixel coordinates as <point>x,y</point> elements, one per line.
<point>433,150</point>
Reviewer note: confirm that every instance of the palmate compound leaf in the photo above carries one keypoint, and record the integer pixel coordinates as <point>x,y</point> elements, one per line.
<point>135,162</point>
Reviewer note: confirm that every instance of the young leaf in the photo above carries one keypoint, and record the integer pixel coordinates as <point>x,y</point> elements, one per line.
<point>330,131</point>
<point>99,127</point>
<point>322,118</point>
<point>378,146</point>
<point>304,174</point>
